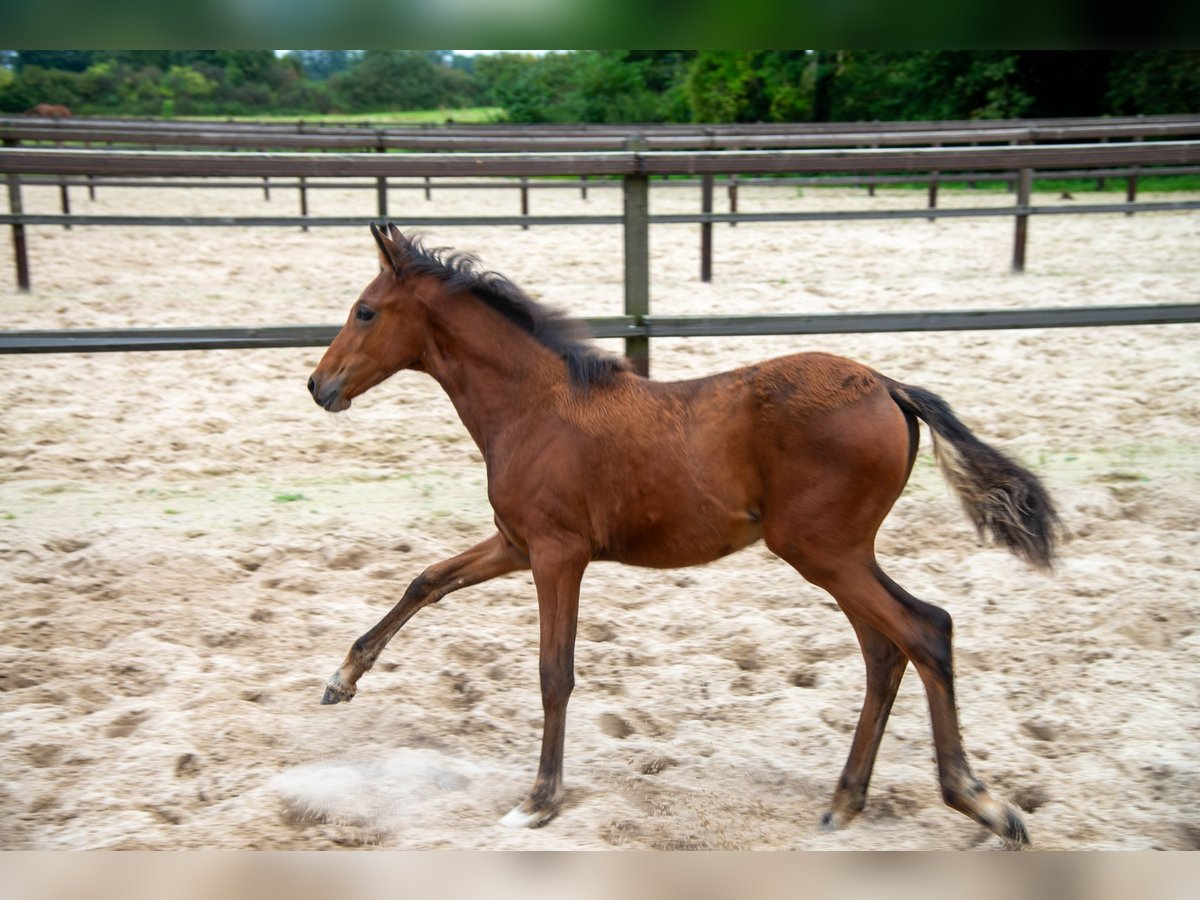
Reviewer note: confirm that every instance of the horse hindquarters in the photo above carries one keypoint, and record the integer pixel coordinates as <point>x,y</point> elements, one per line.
<point>830,489</point>
<point>830,476</point>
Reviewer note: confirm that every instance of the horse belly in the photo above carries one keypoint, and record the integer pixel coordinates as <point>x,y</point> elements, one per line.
<point>689,534</point>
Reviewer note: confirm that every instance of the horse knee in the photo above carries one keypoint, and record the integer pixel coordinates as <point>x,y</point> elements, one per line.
<point>420,587</point>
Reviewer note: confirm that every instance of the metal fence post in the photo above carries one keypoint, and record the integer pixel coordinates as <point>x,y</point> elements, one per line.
<point>733,197</point>
<point>303,182</point>
<point>20,251</point>
<point>64,194</point>
<point>706,206</point>
<point>524,200</point>
<point>91,179</point>
<point>381,187</point>
<point>933,188</point>
<point>637,258</point>
<point>1131,184</point>
<point>1024,189</point>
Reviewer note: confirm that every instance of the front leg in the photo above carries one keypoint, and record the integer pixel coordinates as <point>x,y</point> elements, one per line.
<point>557,572</point>
<point>492,558</point>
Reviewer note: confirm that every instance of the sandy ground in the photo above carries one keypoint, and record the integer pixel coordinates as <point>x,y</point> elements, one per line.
<point>188,546</point>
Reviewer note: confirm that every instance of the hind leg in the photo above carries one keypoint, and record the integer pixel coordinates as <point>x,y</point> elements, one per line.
<point>885,668</point>
<point>922,633</point>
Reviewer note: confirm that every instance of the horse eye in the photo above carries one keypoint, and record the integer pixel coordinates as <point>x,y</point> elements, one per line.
<point>364,314</point>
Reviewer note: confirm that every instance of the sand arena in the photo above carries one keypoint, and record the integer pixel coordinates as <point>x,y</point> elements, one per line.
<point>188,546</point>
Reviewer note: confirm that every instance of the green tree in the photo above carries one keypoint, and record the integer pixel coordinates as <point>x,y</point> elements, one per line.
<point>101,84</point>
<point>724,86</point>
<point>760,86</point>
<point>1154,82</point>
<point>400,79</point>
<point>319,65</point>
<point>65,60</point>
<point>616,86</point>
<point>925,84</point>
<point>584,86</point>
<point>34,84</point>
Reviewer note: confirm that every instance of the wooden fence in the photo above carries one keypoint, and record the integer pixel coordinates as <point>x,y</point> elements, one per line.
<point>375,137</point>
<point>634,167</point>
<point>542,138</point>
<point>535,139</point>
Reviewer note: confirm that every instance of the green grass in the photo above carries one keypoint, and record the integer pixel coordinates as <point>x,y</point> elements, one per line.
<point>467,115</point>
<point>287,498</point>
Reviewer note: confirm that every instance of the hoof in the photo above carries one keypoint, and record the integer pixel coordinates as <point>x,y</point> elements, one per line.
<point>841,812</point>
<point>1013,832</point>
<point>337,693</point>
<point>519,817</point>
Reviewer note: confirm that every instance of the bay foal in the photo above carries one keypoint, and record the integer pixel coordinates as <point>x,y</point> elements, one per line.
<point>588,461</point>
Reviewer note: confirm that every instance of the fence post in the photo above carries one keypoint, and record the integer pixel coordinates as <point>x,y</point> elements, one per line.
<point>637,258</point>
<point>1131,184</point>
<point>91,179</point>
<point>267,187</point>
<point>706,206</point>
<point>583,187</point>
<point>64,194</point>
<point>933,188</point>
<point>1024,189</point>
<point>428,188</point>
<point>303,200</point>
<point>381,187</point>
<point>20,251</point>
<point>524,200</point>
<point>1131,190</point>
<point>733,198</point>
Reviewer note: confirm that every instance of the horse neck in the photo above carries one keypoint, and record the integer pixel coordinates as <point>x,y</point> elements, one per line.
<point>492,371</point>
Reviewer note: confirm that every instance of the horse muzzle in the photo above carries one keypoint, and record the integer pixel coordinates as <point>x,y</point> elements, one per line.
<point>328,395</point>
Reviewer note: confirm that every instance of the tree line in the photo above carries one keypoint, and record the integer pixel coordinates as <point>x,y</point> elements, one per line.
<point>611,85</point>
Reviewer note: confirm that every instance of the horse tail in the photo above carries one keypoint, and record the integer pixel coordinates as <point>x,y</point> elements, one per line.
<point>1002,498</point>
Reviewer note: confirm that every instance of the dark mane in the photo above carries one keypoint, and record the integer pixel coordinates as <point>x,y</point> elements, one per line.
<point>586,363</point>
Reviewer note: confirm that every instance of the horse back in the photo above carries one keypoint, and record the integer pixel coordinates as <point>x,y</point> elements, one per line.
<point>667,474</point>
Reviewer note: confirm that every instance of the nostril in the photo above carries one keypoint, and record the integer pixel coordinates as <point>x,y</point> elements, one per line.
<point>312,386</point>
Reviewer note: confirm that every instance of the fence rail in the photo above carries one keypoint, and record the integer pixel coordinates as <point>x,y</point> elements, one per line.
<point>634,167</point>
<point>144,339</point>
<point>528,139</point>
<point>654,218</point>
<point>301,125</point>
<point>746,162</point>
<point>94,181</point>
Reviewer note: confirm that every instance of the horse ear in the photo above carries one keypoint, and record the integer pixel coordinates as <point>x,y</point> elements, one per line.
<point>390,254</point>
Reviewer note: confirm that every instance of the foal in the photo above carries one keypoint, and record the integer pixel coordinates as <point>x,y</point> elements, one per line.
<point>588,461</point>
